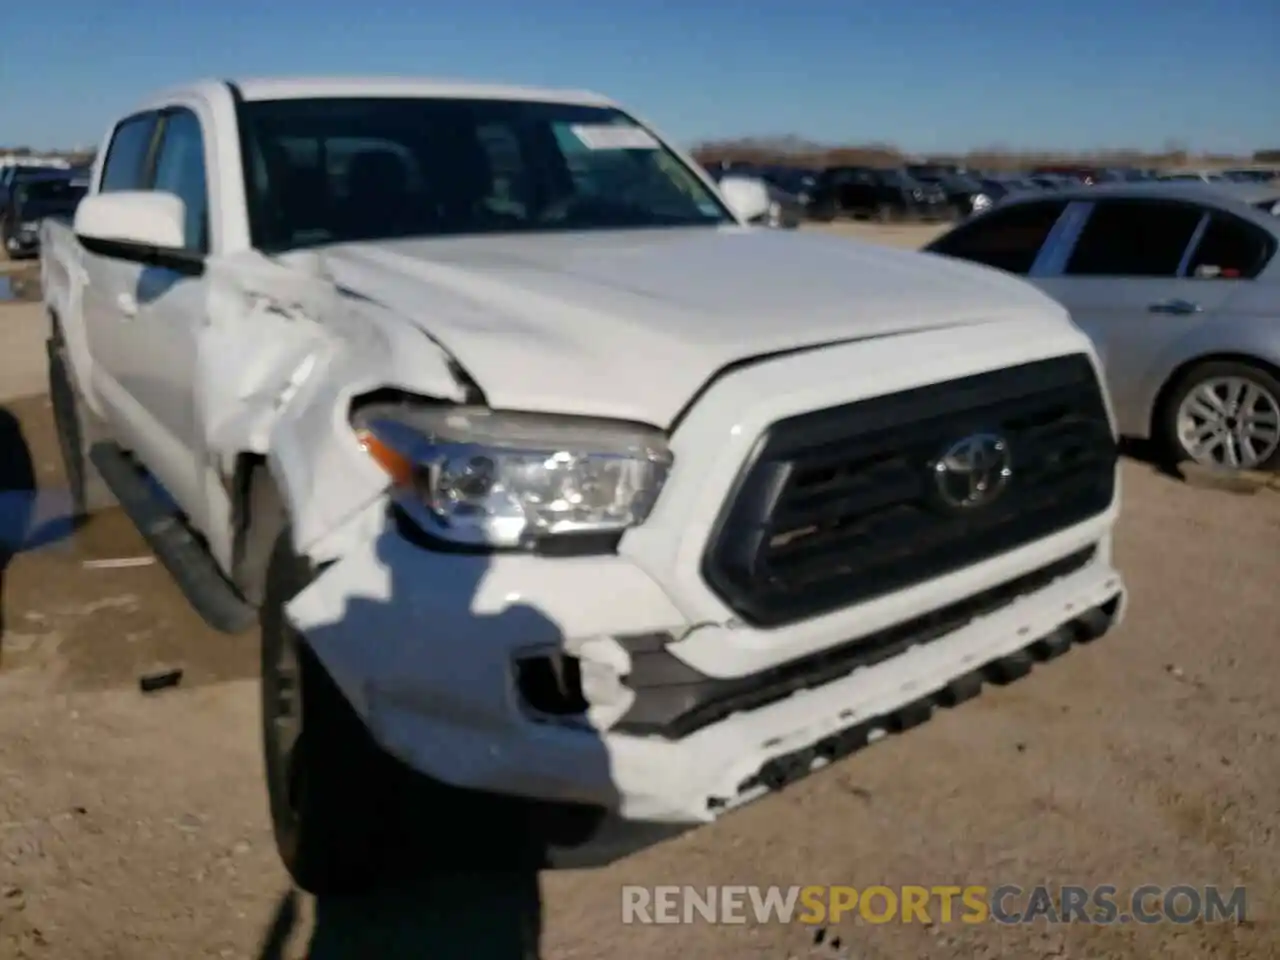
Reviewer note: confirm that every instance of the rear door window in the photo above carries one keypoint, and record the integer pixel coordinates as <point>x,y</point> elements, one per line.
<point>1134,238</point>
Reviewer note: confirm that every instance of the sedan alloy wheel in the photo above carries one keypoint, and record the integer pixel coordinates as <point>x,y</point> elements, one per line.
<point>1230,422</point>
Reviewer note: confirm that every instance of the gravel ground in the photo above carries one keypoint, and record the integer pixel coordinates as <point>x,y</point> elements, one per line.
<point>134,826</point>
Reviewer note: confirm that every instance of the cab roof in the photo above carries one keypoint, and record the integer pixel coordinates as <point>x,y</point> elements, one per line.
<point>300,88</point>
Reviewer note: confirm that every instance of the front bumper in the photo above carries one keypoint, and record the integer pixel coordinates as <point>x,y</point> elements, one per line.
<point>425,645</point>
<point>432,648</point>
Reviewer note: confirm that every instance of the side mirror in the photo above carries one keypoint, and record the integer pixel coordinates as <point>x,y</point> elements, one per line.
<point>142,226</point>
<point>747,197</point>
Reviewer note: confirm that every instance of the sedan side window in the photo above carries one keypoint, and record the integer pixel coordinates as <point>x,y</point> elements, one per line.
<point>1231,250</point>
<point>1008,239</point>
<point>1134,238</point>
<point>180,171</point>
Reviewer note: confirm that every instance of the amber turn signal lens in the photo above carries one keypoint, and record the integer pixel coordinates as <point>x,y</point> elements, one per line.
<point>399,469</point>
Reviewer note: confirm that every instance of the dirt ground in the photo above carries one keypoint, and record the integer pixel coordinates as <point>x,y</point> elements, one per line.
<point>133,826</point>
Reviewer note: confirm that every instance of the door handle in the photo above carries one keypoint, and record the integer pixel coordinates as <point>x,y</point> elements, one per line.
<point>1177,307</point>
<point>127,305</point>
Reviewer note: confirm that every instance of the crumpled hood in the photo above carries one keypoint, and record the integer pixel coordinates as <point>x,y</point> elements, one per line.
<point>631,324</point>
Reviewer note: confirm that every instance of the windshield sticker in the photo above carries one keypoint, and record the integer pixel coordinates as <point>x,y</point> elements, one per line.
<point>608,136</point>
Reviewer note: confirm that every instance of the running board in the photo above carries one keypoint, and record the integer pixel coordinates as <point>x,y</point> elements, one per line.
<point>175,546</point>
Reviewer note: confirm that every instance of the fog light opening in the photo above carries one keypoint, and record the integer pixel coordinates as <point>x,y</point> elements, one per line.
<point>550,684</point>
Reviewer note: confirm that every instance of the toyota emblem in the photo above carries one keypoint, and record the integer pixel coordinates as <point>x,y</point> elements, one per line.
<point>974,471</point>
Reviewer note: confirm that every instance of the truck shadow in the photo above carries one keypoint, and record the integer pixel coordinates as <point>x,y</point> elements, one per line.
<point>27,520</point>
<point>17,496</point>
<point>462,872</point>
<point>86,597</point>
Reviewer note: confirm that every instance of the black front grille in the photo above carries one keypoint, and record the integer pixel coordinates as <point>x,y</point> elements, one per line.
<point>841,505</point>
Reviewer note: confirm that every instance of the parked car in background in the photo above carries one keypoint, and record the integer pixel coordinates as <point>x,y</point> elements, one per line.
<point>785,211</point>
<point>1072,173</point>
<point>996,189</point>
<point>16,173</point>
<point>799,182</point>
<point>52,193</point>
<point>722,168</point>
<point>1192,176</point>
<point>1001,185</point>
<point>964,193</point>
<point>1122,175</point>
<point>1250,175</point>
<point>933,171</point>
<point>1018,183</point>
<point>1179,287</point>
<point>878,194</point>
<point>1052,181</point>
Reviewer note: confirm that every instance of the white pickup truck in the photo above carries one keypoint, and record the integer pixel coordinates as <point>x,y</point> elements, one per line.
<point>547,475</point>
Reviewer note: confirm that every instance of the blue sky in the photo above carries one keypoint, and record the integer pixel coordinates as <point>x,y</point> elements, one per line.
<point>925,74</point>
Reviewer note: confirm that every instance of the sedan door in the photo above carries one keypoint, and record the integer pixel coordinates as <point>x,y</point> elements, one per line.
<point>1130,283</point>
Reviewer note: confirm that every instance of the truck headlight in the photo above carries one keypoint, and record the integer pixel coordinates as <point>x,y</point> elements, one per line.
<point>473,476</point>
<point>981,201</point>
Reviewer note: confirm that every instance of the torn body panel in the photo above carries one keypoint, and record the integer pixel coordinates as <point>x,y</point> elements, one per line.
<point>451,629</point>
<point>438,690</point>
<point>282,357</point>
<point>427,644</point>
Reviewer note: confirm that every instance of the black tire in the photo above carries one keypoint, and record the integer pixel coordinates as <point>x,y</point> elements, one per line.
<point>326,778</point>
<point>349,818</point>
<point>76,432</point>
<point>1171,447</point>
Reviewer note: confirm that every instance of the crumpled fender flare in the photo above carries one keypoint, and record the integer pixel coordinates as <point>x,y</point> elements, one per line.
<point>281,362</point>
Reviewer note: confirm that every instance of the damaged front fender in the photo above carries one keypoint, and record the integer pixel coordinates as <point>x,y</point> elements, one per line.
<point>283,355</point>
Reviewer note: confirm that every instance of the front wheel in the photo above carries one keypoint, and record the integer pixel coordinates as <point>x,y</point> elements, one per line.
<point>1224,415</point>
<point>326,779</point>
<point>348,817</point>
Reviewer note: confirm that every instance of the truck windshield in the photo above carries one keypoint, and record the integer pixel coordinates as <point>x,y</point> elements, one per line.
<point>324,171</point>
